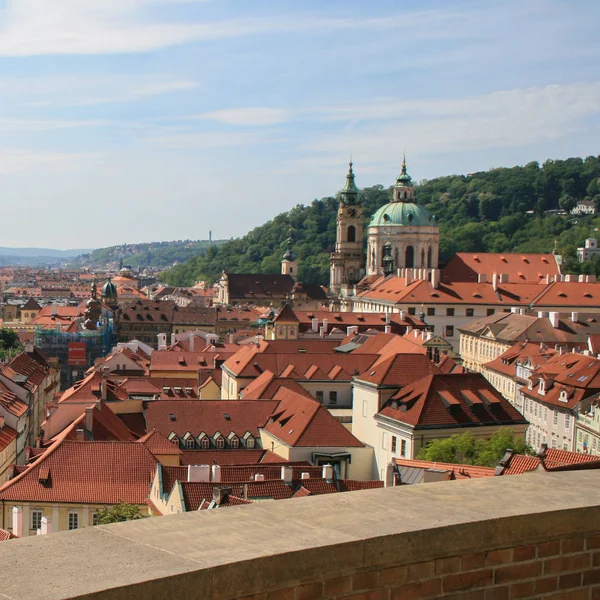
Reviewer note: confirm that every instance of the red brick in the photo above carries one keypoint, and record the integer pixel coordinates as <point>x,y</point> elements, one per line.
<point>393,576</point>
<point>548,549</point>
<point>443,566</point>
<point>570,595</point>
<point>499,557</point>
<point>521,590</point>
<point>465,581</point>
<point>498,593</point>
<point>596,593</point>
<point>376,595</point>
<point>517,572</point>
<point>592,541</point>
<point>471,562</point>
<point>418,571</point>
<point>255,597</point>
<point>596,559</point>
<point>310,591</point>
<point>421,589</point>
<point>337,586</point>
<point>591,577</point>
<point>571,580</point>
<point>524,553</point>
<point>472,595</point>
<point>285,594</point>
<point>546,584</point>
<point>571,545</point>
<point>365,581</point>
<point>566,563</point>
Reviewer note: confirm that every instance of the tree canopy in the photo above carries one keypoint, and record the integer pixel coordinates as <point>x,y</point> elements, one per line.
<point>466,450</point>
<point>9,343</point>
<point>118,513</point>
<point>501,210</point>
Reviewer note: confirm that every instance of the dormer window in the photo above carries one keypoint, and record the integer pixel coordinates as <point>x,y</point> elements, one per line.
<point>530,385</point>
<point>205,443</point>
<point>220,443</point>
<point>190,443</point>
<point>250,442</point>
<point>234,442</point>
<point>563,396</point>
<point>542,388</point>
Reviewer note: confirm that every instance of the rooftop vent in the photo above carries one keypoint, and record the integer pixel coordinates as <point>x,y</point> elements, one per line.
<point>227,416</point>
<point>171,416</point>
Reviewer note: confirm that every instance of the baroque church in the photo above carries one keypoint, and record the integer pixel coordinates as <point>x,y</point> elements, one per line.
<point>400,235</point>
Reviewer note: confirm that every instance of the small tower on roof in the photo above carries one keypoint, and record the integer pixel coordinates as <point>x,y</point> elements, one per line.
<point>289,264</point>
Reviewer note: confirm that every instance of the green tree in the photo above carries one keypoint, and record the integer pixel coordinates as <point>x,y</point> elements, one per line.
<point>118,513</point>
<point>9,343</point>
<point>464,449</point>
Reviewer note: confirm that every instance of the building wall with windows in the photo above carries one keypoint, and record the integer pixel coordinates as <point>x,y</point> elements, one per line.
<point>587,430</point>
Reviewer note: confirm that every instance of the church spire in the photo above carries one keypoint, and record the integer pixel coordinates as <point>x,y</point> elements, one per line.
<point>349,192</point>
<point>403,189</point>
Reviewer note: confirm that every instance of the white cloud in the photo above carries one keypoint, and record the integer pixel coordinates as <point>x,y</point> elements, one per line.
<point>248,116</point>
<point>16,159</point>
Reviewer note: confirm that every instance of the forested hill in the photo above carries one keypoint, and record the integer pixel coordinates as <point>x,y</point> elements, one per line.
<point>152,254</point>
<point>479,212</point>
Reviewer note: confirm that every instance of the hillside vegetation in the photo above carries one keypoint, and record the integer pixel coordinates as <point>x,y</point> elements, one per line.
<point>152,254</point>
<point>479,212</point>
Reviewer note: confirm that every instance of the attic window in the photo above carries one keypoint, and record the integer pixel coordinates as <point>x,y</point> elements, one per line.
<point>587,295</point>
<point>171,416</point>
<point>372,373</point>
<point>227,416</point>
<point>562,295</point>
<point>583,378</point>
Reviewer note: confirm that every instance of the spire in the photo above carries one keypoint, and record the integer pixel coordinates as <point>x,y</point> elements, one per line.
<point>289,255</point>
<point>350,192</point>
<point>404,179</point>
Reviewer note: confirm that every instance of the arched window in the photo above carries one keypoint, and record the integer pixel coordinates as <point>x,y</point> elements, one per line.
<point>410,257</point>
<point>351,233</point>
<point>429,265</point>
<point>190,443</point>
<point>235,443</point>
<point>250,442</point>
<point>205,443</point>
<point>423,258</point>
<point>220,443</point>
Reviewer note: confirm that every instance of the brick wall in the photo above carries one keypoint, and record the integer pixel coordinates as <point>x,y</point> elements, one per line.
<point>567,568</point>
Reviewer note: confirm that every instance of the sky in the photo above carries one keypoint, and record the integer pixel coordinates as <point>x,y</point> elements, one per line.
<point>125,121</point>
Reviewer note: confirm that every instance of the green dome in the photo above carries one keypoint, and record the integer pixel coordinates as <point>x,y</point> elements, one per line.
<point>404,214</point>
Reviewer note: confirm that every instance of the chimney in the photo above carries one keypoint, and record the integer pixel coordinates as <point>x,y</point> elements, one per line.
<point>495,282</point>
<point>542,314</point>
<point>435,278</point>
<point>388,329</point>
<point>287,474</point>
<point>554,316</point>
<point>305,476</point>
<point>315,324</point>
<point>402,315</point>
<point>192,338</point>
<point>429,335</point>
<point>220,494</point>
<point>173,339</point>
<point>582,279</point>
<point>328,473</point>
<point>521,311</point>
<point>389,475</point>
<point>482,278</point>
<point>46,526</point>
<point>259,477</point>
<point>17,524</point>
<point>88,422</point>
<point>29,347</point>
<point>198,473</point>
<point>514,310</point>
<point>162,341</point>
<point>503,277</point>
<point>547,278</point>
<point>103,386</point>
<point>321,332</point>
<point>575,317</point>
<point>408,328</point>
<point>231,338</point>
<point>324,325</point>
<point>216,473</point>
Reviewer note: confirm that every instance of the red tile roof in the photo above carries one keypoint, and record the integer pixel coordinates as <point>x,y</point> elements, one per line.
<point>457,471</point>
<point>158,444</point>
<point>7,436</point>
<point>398,370</point>
<point>552,457</point>
<point>569,294</point>
<point>86,472</point>
<point>455,400</point>
<point>6,535</point>
<point>230,456</point>
<point>265,387</point>
<point>11,402</point>
<point>300,421</point>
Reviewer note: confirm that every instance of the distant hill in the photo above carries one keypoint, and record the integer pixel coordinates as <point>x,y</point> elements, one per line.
<point>501,210</point>
<point>37,257</point>
<point>147,255</point>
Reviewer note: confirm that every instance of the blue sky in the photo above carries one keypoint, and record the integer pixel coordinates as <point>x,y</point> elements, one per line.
<point>141,120</point>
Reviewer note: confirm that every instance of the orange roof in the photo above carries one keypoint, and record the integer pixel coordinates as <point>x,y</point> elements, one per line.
<point>552,459</point>
<point>398,370</point>
<point>159,444</point>
<point>458,471</point>
<point>569,294</point>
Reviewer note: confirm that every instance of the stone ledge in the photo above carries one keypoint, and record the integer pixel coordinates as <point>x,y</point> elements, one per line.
<point>267,546</point>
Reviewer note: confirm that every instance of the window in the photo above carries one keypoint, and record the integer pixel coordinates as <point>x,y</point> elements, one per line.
<point>555,420</point>
<point>449,312</point>
<point>403,448</point>
<point>36,519</point>
<point>73,520</point>
<point>567,420</point>
<point>394,444</point>
<point>412,310</point>
<point>431,312</point>
<point>470,312</point>
<point>95,519</point>
<point>190,443</point>
<point>351,233</point>
<point>250,442</point>
<point>449,331</point>
<point>220,443</point>
<point>332,397</point>
<point>205,443</point>
<point>554,443</point>
<point>320,396</point>
<point>235,443</point>
<point>490,312</point>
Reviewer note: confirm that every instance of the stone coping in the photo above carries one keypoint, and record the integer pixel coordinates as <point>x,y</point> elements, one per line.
<point>269,545</point>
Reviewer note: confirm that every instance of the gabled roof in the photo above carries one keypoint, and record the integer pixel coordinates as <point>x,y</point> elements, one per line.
<point>461,400</point>
<point>10,402</point>
<point>266,385</point>
<point>259,286</point>
<point>301,421</point>
<point>551,457</point>
<point>6,535</point>
<point>85,472</point>
<point>398,370</point>
<point>456,471</point>
<point>31,304</point>
<point>286,315</point>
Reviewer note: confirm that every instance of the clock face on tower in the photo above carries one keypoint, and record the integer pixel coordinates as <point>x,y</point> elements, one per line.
<point>351,212</point>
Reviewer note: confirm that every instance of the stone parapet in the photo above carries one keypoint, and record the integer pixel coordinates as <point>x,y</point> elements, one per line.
<point>529,536</point>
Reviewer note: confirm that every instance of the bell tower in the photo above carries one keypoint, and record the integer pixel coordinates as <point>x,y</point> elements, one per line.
<point>347,262</point>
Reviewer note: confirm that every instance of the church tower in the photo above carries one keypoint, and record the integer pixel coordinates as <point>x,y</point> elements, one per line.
<point>347,262</point>
<point>289,265</point>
